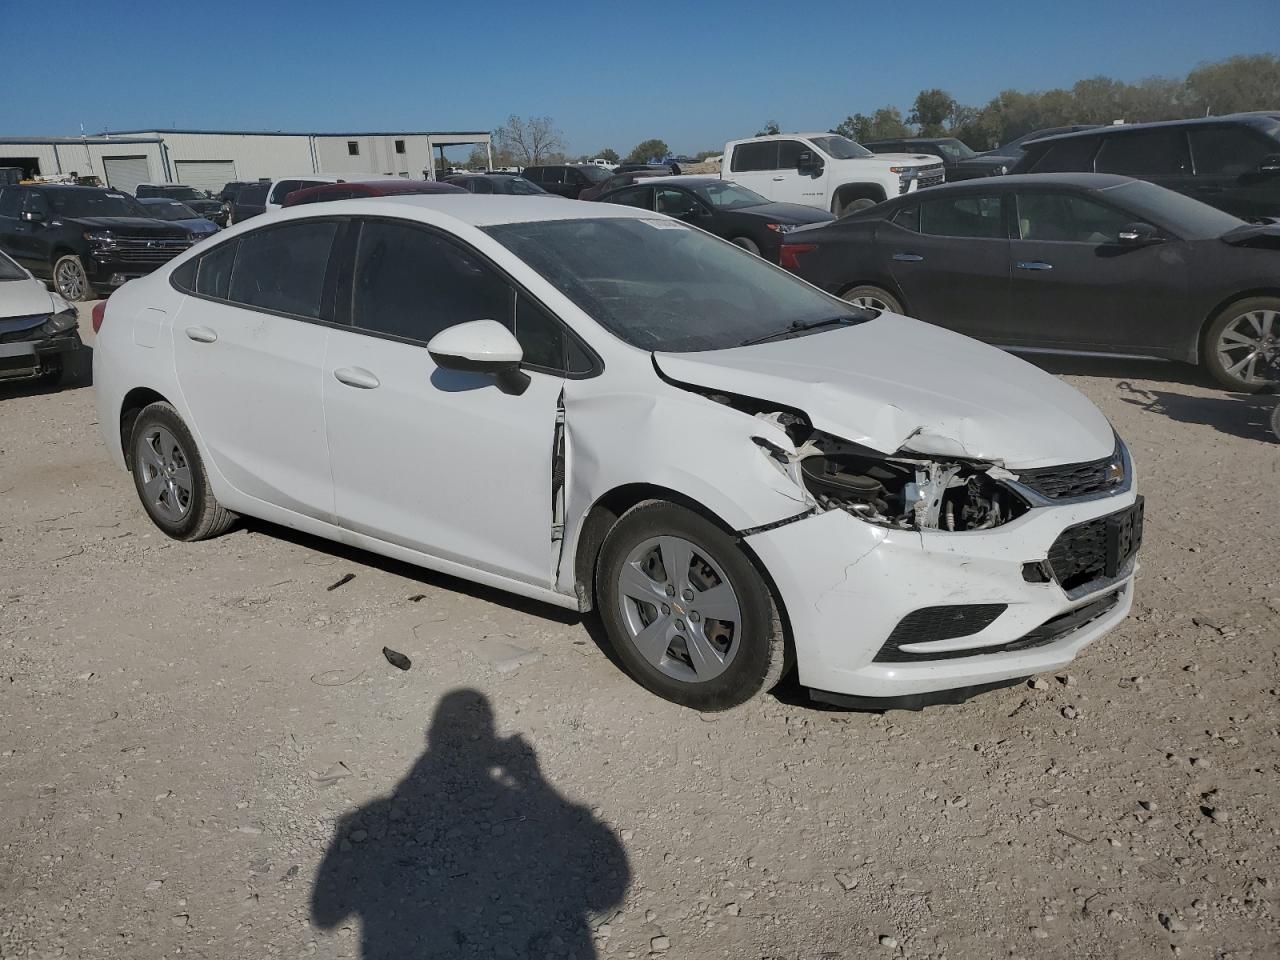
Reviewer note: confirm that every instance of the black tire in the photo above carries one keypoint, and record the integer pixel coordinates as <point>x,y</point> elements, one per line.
<point>1275,420</point>
<point>759,651</point>
<point>1212,361</point>
<point>70,279</point>
<point>199,516</point>
<point>854,204</point>
<point>870,292</point>
<point>747,244</point>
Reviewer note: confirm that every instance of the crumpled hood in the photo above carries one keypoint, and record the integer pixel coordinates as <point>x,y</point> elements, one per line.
<point>895,384</point>
<point>27,298</point>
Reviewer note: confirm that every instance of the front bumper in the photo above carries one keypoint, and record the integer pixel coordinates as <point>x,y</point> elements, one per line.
<point>109,268</point>
<point>846,584</point>
<point>26,359</point>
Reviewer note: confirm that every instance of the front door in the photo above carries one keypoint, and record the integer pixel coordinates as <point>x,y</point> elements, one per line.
<point>249,358</point>
<point>435,460</point>
<point>1076,288</point>
<point>950,259</point>
<point>755,166</point>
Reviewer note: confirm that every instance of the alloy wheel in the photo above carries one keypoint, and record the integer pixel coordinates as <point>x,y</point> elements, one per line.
<point>679,609</point>
<point>166,474</point>
<point>70,280</point>
<point>874,304</point>
<point>1250,341</point>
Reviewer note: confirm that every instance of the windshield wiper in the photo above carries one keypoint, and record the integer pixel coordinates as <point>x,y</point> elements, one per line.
<point>800,326</point>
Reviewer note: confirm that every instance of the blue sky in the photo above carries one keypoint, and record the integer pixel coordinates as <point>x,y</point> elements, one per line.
<point>610,74</point>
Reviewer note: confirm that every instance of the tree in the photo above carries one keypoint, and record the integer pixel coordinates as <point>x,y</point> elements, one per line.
<point>608,153</point>
<point>770,129</point>
<point>931,112</point>
<point>885,124</point>
<point>1234,85</point>
<point>645,150</point>
<point>529,142</point>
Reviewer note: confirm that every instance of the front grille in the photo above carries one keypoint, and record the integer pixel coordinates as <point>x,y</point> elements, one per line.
<point>1079,555</point>
<point>931,177</point>
<point>138,250</point>
<point>937,623</point>
<point>1073,479</point>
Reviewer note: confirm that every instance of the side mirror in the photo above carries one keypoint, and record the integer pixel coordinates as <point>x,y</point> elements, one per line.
<point>33,216</point>
<point>1138,233</point>
<point>1270,165</point>
<point>808,163</point>
<point>481,346</point>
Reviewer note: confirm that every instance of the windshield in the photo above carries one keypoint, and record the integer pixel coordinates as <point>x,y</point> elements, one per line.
<point>596,174</point>
<point>954,150</point>
<point>181,193</point>
<point>1186,216</point>
<point>841,148</point>
<point>725,195</point>
<point>662,285</point>
<point>94,203</point>
<point>517,185</point>
<point>10,270</point>
<point>171,210</point>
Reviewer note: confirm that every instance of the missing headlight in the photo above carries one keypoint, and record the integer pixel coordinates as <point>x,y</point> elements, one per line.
<point>906,494</point>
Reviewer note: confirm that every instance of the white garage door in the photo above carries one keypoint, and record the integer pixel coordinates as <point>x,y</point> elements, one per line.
<point>211,175</point>
<point>125,173</point>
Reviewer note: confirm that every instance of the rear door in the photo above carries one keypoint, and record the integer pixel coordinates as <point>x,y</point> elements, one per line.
<point>16,235</point>
<point>554,181</point>
<point>1227,161</point>
<point>1160,155</point>
<point>1075,287</point>
<point>754,164</point>
<point>950,258</point>
<point>249,346</point>
<point>789,186</point>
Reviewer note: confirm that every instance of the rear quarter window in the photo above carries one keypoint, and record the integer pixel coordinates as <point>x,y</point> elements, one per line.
<point>1069,156</point>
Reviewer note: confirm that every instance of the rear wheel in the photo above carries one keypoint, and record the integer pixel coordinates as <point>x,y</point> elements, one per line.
<point>171,479</point>
<point>70,280</point>
<point>746,243</point>
<point>853,205</point>
<point>1242,344</point>
<point>872,298</point>
<point>685,610</point>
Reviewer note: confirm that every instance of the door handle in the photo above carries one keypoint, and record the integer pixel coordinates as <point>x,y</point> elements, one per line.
<point>201,334</point>
<point>778,179</point>
<point>356,377</point>
<point>908,257</point>
<point>1033,265</point>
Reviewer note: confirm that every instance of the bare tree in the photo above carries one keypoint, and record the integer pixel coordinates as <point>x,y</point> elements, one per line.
<point>529,142</point>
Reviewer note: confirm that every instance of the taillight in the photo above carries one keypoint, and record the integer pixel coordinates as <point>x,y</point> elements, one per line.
<point>789,255</point>
<point>99,313</point>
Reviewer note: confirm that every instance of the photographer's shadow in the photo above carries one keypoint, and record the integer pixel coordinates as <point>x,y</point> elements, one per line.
<point>473,855</point>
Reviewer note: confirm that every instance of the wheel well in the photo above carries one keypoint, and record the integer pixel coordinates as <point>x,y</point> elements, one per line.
<point>60,252</point>
<point>857,191</point>
<point>134,402</point>
<point>1234,298</point>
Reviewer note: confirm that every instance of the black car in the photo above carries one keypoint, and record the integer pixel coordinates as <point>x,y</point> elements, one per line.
<point>495,183</point>
<point>1063,263</point>
<point>721,207</point>
<point>38,335</point>
<point>565,179</point>
<point>201,203</point>
<point>84,239</point>
<point>1003,158</point>
<point>249,201</point>
<point>672,168</point>
<point>1231,162</point>
<point>958,161</point>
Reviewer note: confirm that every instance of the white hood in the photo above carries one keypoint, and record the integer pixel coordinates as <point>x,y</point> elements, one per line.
<point>902,159</point>
<point>25,298</point>
<point>895,384</point>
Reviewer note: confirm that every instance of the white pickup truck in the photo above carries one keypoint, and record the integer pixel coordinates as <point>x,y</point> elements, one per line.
<point>825,170</point>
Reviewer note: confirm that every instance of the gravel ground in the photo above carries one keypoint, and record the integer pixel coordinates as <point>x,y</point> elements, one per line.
<point>203,750</point>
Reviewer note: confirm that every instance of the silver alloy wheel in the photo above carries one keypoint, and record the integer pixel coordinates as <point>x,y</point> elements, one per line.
<point>679,609</point>
<point>69,278</point>
<point>1245,341</point>
<point>868,303</point>
<point>166,475</point>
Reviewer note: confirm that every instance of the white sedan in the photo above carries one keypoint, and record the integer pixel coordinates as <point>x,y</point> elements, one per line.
<point>38,329</point>
<point>606,409</point>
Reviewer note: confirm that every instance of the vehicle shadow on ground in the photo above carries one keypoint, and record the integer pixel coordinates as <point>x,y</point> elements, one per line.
<point>78,373</point>
<point>1244,415</point>
<point>473,853</point>
<point>1119,368</point>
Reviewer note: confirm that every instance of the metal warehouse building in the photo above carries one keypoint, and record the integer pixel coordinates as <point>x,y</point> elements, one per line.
<point>207,159</point>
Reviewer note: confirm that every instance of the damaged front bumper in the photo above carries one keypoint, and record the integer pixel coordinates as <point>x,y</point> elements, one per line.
<point>30,359</point>
<point>889,613</point>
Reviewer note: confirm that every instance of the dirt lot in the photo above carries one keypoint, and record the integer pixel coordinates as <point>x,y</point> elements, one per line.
<point>203,751</point>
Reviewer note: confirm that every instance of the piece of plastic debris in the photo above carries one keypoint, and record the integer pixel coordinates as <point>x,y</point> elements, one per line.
<point>417,597</point>
<point>346,578</point>
<point>397,659</point>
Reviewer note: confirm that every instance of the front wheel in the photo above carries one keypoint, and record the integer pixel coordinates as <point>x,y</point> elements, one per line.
<point>1242,344</point>
<point>70,280</point>
<point>747,244</point>
<point>686,611</point>
<point>854,205</point>
<point>171,479</point>
<point>872,298</point>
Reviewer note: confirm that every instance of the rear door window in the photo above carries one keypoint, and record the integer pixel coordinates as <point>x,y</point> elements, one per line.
<point>761,155</point>
<point>1067,157</point>
<point>1151,153</point>
<point>283,268</point>
<point>963,216</point>
<point>908,217</point>
<point>1228,151</point>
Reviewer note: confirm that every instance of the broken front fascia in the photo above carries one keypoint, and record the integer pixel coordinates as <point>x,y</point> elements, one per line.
<point>904,491</point>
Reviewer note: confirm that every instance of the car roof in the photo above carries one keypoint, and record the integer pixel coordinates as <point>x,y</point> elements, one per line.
<point>689,179</point>
<point>1075,181</point>
<point>156,200</point>
<point>1120,129</point>
<point>484,210</point>
<point>790,136</point>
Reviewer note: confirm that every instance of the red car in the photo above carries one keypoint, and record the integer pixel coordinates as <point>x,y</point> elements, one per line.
<point>367,188</point>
